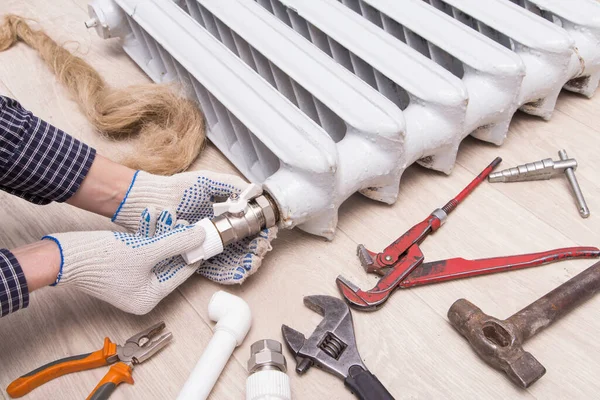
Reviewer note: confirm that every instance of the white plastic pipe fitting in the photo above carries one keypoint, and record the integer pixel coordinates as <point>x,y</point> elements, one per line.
<point>233,318</point>
<point>268,385</point>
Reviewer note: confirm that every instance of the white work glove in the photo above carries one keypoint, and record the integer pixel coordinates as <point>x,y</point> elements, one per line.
<point>191,195</point>
<point>130,271</point>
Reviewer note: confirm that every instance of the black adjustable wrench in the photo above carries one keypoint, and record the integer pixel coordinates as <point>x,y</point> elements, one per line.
<point>332,347</point>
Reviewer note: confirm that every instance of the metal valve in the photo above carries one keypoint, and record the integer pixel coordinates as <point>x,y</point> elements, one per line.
<point>242,215</point>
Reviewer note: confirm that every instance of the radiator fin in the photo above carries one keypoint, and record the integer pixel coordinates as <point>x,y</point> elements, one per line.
<point>407,36</point>
<point>236,136</point>
<point>292,90</point>
<point>341,54</point>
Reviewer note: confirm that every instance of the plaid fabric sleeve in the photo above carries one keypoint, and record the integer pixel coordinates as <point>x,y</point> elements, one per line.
<point>39,162</point>
<point>14,294</point>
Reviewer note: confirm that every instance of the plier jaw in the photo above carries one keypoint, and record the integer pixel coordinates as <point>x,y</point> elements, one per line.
<point>144,344</point>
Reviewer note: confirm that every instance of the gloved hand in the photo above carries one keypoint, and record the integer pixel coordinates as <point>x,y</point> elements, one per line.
<point>130,271</point>
<point>191,195</point>
<point>239,260</point>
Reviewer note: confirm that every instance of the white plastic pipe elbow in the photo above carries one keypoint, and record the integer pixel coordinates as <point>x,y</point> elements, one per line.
<point>233,318</point>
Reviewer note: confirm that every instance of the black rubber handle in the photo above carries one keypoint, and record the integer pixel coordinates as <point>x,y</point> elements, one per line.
<point>103,392</point>
<point>365,385</point>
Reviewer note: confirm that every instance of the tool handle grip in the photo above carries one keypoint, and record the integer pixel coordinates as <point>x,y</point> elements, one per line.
<point>365,386</point>
<point>452,204</point>
<point>26,383</point>
<point>458,268</point>
<point>117,374</point>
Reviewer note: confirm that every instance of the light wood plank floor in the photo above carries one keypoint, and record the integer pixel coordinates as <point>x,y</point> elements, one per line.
<point>409,344</point>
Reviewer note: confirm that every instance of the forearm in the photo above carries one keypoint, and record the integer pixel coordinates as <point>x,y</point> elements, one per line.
<point>38,161</point>
<point>40,262</point>
<point>24,270</point>
<point>103,188</point>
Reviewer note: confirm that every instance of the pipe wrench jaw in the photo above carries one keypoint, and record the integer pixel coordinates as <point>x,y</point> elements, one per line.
<point>371,300</point>
<point>368,260</point>
<point>358,298</point>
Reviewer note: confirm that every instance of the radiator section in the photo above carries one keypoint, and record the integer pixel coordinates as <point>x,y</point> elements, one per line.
<point>492,74</point>
<point>581,19</point>
<point>233,136</point>
<point>432,98</point>
<point>548,52</point>
<point>291,89</point>
<point>339,53</point>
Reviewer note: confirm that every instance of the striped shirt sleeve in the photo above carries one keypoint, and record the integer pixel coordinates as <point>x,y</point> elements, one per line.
<point>39,162</point>
<point>14,294</point>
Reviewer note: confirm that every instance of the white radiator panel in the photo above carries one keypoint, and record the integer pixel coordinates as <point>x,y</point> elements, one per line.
<point>367,128</point>
<point>267,138</point>
<point>492,74</point>
<point>581,19</point>
<point>547,51</point>
<point>434,101</point>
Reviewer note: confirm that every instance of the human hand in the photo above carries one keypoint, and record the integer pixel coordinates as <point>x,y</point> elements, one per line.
<point>130,271</point>
<point>191,195</point>
<point>239,260</point>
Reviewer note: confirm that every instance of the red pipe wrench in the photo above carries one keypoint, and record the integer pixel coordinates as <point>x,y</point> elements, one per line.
<point>410,271</point>
<point>401,263</point>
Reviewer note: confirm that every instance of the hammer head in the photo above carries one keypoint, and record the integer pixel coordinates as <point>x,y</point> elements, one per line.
<point>497,342</point>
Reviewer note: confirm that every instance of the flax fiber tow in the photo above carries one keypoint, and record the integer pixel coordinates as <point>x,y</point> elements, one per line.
<point>170,130</point>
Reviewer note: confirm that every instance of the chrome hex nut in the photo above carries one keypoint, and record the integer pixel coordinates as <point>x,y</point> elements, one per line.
<point>266,354</point>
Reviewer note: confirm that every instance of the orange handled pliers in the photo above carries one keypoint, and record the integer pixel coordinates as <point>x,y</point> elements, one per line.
<point>136,349</point>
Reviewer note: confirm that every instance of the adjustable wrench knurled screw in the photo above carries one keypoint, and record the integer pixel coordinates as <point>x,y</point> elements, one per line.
<point>332,347</point>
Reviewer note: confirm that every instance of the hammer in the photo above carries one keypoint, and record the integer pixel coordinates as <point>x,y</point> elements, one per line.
<point>500,342</point>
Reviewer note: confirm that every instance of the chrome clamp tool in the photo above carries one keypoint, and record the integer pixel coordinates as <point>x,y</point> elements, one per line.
<point>543,170</point>
<point>332,347</point>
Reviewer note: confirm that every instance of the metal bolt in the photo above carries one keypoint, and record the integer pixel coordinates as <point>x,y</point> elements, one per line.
<point>388,258</point>
<point>583,208</point>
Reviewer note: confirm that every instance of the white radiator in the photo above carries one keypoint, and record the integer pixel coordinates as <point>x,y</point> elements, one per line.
<point>318,99</point>
<point>548,51</point>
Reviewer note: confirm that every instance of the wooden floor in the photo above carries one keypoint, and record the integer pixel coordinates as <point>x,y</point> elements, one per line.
<point>409,344</point>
